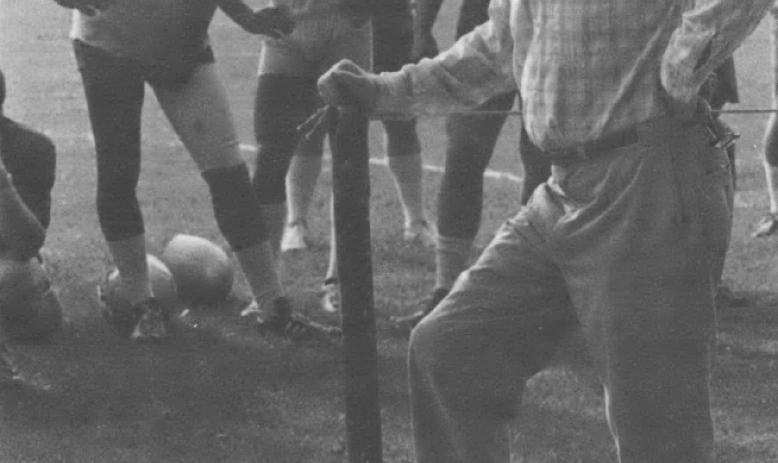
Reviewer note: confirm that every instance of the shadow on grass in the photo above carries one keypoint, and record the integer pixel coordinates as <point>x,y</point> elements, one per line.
<point>206,395</point>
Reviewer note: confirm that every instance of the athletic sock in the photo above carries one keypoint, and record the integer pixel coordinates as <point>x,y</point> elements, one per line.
<point>259,268</point>
<point>301,183</point>
<point>274,218</point>
<point>451,258</point>
<point>332,266</point>
<point>129,256</point>
<point>406,170</point>
<point>771,174</point>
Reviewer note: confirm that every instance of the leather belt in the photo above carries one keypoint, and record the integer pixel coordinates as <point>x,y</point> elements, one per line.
<point>594,149</point>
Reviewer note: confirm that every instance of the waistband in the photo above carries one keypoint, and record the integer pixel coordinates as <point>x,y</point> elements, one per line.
<point>648,132</point>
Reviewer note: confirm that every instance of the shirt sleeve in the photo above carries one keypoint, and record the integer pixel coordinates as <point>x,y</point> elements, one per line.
<point>479,65</point>
<point>708,34</point>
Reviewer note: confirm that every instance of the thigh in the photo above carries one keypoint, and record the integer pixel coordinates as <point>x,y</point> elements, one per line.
<point>392,42</point>
<point>506,314</point>
<point>283,103</point>
<point>402,137</point>
<point>771,140</point>
<point>114,90</point>
<point>287,56</point>
<point>348,42</point>
<point>200,114</point>
<point>472,13</point>
<point>472,138</point>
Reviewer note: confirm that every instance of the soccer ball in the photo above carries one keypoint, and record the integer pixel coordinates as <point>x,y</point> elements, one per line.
<point>202,270</point>
<point>29,306</point>
<point>115,303</point>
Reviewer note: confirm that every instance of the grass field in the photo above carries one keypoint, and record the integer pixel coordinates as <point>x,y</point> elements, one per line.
<point>219,392</point>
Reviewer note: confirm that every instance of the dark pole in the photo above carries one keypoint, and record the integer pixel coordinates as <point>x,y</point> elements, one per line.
<point>351,212</point>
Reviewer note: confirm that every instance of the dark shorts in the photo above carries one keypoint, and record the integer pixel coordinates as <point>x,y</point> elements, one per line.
<point>169,76</point>
<point>392,36</point>
<point>472,13</point>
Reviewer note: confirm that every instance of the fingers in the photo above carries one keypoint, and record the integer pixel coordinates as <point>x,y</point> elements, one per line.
<point>330,84</point>
<point>347,66</point>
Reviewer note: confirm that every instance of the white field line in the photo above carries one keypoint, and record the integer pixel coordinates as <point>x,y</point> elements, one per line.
<point>490,173</point>
<point>743,199</point>
<point>247,148</point>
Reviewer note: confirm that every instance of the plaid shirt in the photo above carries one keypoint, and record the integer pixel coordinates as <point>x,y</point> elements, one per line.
<point>584,68</point>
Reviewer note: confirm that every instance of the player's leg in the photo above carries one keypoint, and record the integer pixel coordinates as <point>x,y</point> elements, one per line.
<point>330,289</point>
<point>114,92</point>
<point>470,145</point>
<point>301,181</point>
<point>283,102</point>
<point>392,44</point>
<point>769,224</point>
<point>286,96</point>
<point>536,167</point>
<point>211,139</point>
<point>471,141</point>
<point>403,152</point>
<point>720,90</point>
<point>470,358</point>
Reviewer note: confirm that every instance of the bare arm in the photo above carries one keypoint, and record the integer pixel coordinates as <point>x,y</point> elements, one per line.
<point>275,22</point>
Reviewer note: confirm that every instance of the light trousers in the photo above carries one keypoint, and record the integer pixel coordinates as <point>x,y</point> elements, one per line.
<point>627,247</point>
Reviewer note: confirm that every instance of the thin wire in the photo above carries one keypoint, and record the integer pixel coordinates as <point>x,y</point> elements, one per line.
<point>324,116</point>
<point>480,112</point>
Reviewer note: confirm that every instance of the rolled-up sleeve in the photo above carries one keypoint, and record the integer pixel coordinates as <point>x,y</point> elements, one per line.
<point>479,65</point>
<point>708,35</point>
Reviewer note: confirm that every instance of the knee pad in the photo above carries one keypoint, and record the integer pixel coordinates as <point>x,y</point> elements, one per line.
<point>235,206</point>
<point>282,103</point>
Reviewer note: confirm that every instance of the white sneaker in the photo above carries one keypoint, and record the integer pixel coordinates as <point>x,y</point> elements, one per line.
<point>251,310</point>
<point>295,237</point>
<point>330,296</point>
<point>421,232</point>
